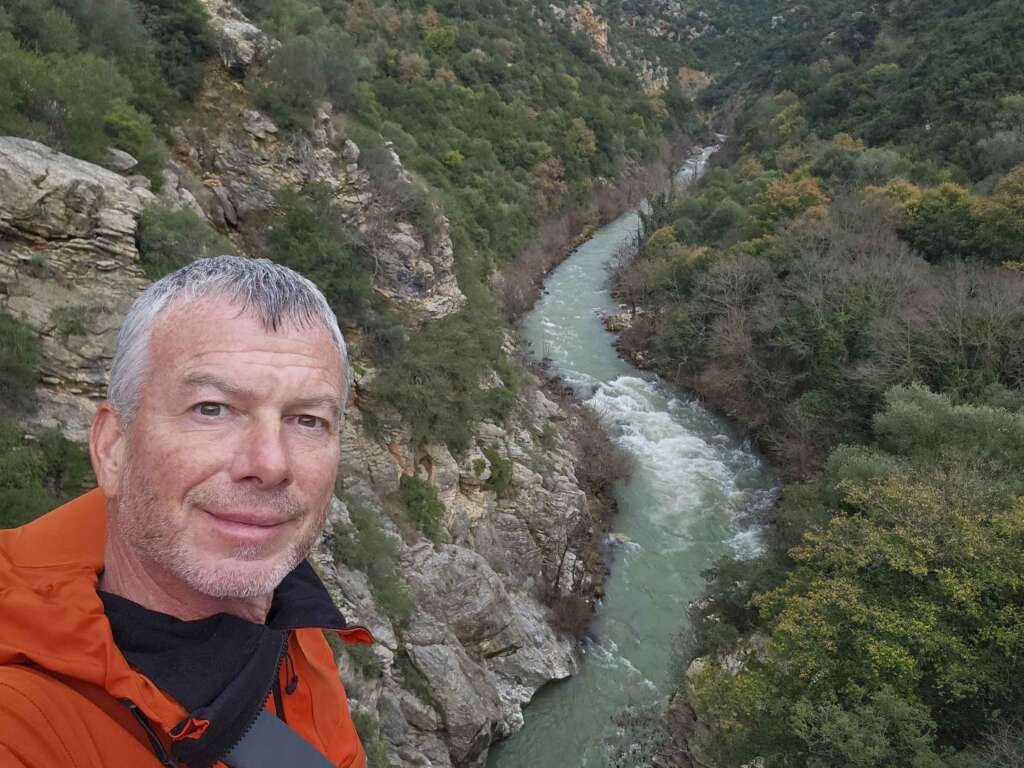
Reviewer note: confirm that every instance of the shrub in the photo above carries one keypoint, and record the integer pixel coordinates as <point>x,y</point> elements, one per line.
<point>180,31</point>
<point>368,728</point>
<point>19,355</point>
<point>294,82</point>
<point>412,679</point>
<point>433,381</point>
<point>424,507</point>
<point>38,475</point>
<point>366,547</point>
<point>61,101</point>
<point>74,320</point>
<point>308,236</point>
<point>133,132</point>
<point>363,658</point>
<point>170,238</point>
<point>501,471</point>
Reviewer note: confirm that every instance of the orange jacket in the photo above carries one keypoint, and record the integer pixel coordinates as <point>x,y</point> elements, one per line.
<point>63,679</point>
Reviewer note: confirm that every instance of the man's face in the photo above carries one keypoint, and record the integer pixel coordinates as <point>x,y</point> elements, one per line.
<point>232,454</point>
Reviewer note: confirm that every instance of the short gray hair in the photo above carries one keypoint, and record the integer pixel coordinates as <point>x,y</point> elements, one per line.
<point>274,294</point>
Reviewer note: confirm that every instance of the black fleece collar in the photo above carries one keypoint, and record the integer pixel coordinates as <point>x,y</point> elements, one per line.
<point>220,668</point>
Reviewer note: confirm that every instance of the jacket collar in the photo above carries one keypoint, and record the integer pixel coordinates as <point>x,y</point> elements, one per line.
<point>55,619</point>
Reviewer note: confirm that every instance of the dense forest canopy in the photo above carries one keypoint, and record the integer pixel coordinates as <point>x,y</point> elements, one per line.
<point>848,284</point>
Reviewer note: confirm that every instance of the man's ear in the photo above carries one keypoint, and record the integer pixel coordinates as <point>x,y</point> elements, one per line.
<point>107,448</point>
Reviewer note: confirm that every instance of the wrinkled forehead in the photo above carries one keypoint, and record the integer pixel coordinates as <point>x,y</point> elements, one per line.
<point>192,325</point>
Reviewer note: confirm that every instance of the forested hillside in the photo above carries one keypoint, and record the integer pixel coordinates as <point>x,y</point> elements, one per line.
<point>848,284</point>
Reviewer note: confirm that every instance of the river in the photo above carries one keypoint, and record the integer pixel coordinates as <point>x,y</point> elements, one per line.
<point>688,502</point>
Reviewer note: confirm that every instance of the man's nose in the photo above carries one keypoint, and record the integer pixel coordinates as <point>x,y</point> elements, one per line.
<point>262,458</point>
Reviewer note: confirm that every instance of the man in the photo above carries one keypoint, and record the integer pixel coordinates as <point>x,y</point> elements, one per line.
<point>169,617</point>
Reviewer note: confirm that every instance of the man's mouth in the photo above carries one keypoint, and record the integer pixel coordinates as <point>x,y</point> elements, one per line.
<point>252,525</point>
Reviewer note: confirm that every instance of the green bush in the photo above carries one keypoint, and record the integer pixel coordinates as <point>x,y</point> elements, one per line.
<point>368,728</point>
<point>60,100</point>
<point>366,547</point>
<point>182,41</point>
<point>433,381</point>
<point>501,471</point>
<point>293,83</point>
<point>424,507</point>
<point>170,238</point>
<point>38,475</point>
<point>74,320</point>
<point>308,236</point>
<point>133,132</point>
<point>19,355</point>
<point>412,679</point>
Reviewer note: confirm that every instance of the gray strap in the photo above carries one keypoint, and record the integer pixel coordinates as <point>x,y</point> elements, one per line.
<point>270,743</point>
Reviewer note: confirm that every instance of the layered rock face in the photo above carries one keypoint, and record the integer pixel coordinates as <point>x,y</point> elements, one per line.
<point>479,636</point>
<point>68,268</point>
<point>231,160</point>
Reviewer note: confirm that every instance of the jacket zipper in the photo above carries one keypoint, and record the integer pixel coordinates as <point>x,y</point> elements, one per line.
<point>266,691</point>
<point>154,741</point>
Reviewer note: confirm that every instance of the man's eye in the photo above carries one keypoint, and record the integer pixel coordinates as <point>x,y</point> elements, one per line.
<point>310,422</point>
<point>209,409</point>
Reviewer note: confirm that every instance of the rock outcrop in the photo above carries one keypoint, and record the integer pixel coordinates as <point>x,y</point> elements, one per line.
<point>480,638</point>
<point>241,43</point>
<point>68,268</point>
<point>233,162</point>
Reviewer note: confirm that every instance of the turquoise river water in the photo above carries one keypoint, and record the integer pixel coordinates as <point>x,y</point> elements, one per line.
<point>694,486</point>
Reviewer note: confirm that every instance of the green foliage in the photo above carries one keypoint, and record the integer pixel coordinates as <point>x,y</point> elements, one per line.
<point>434,380</point>
<point>170,238</point>
<point>367,547</point>
<point>441,40</point>
<point>368,728</point>
<point>308,236</point>
<point>73,320</point>
<point>19,355</point>
<point>943,225</point>
<point>74,103</point>
<point>134,133</point>
<point>295,82</point>
<point>489,107</point>
<point>363,657</point>
<point>424,507</point>
<point>501,471</point>
<point>181,42</point>
<point>38,474</point>
<point>897,623</point>
<point>151,56</point>
<point>920,425</point>
<point>412,679</point>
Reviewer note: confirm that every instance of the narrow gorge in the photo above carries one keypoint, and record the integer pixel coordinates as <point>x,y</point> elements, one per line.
<point>695,493</point>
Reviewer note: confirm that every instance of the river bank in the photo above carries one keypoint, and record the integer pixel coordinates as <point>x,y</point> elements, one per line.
<point>693,482</point>
<point>519,284</point>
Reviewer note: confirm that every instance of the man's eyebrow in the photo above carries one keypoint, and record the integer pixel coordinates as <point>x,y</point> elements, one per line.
<point>198,380</point>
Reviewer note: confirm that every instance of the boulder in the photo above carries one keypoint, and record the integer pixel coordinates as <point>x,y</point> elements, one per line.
<point>119,160</point>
